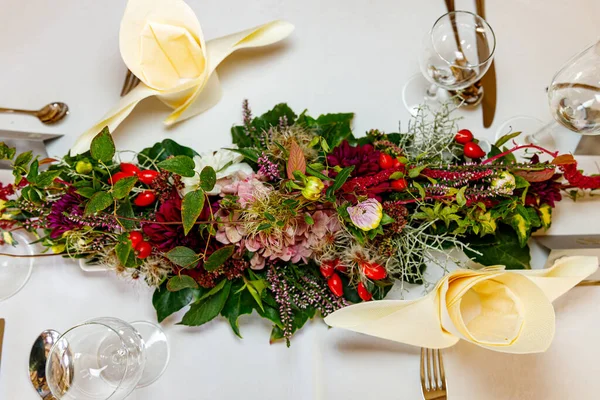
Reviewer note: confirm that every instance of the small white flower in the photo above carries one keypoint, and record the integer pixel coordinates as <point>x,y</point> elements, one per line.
<point>226,163</point>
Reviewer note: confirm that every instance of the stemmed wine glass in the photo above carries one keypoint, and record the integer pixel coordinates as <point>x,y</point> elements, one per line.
<point>106,358</point>
<point>574,99</point>
<point>456,53</point>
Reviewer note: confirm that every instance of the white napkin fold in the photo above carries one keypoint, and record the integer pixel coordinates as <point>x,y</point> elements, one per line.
<point>506,311</point>
<point>161,43</point>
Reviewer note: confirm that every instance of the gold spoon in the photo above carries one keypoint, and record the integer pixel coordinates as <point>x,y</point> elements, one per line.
<point>49,114</point>
<point>589,283</point>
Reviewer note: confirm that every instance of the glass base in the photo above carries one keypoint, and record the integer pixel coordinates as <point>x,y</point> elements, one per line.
<point>156,349</point>
<point>418,91</point>
<point>15,271</point>
<point>533,131</point>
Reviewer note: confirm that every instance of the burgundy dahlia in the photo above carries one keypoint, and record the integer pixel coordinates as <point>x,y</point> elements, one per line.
<point>546,192</point>
<point>364,158</point>
<point>167,236</point>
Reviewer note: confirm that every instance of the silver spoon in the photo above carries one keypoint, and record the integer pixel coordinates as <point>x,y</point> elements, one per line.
<point>49,114</point>
<point>37,362</point>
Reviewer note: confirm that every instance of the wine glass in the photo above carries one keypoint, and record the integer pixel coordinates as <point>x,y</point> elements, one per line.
<point>574,100</point>
<point>106,358</point>
<point>456,53</point>
<point>16,264</point>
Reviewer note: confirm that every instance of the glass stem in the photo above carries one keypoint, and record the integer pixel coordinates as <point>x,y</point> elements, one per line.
<point>432,91</point>
<point>538,136</point>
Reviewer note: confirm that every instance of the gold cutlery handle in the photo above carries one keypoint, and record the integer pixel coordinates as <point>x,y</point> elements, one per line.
<point>18,111</point>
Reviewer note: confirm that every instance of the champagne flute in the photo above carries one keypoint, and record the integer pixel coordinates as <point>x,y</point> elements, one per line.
<point>574,100</point>
<point>106,358</point>
<point>456,53</point>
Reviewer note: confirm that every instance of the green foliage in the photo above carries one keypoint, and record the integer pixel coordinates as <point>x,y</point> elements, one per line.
<point>126,254</point>
<point>125,210</point>
<point>180,165</point>
<point>7,153</point>
<point>103,147</point>
<point>98,202</point>
<point>260,124</point>
<point>191,208</point>
<point>339,181</point>
<point>166,302</point>
<point>180,282</point>
<point>208,178</point>
<point>239,302</point>
<point>218,258</point>
<point>205,310</point>
<point>183,256</point>
<point>123,187</point>
<point>503,248</point>
<point>161,151</point>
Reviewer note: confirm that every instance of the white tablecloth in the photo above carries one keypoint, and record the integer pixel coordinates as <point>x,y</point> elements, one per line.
<point>345,55</point>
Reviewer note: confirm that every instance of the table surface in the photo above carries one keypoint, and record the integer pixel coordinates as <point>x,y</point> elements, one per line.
<point>345,55</point>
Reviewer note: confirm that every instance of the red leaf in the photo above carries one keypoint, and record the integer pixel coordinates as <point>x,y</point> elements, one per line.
<point>564,159</point>
<point>535,176</point>
<point>296,162</point>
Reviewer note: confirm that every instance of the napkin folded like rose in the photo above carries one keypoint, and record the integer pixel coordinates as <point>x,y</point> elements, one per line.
<point>162,44</point>
<point>506,311</point>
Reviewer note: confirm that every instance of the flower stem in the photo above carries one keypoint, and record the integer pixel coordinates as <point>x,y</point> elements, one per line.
<point>524,146</point>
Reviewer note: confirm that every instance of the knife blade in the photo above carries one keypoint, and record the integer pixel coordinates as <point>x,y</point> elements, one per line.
<point>2,323</point>
<point>488,81</point>
<point>24,141</point>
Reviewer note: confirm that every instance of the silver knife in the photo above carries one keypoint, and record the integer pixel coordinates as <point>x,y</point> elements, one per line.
<point>488,81</point>
<point>2,323</point>
<point>23,141</point>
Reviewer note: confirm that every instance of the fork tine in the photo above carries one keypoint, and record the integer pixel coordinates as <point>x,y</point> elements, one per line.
<point>423,369</point>
<point>435,354</point>
<point>131,81</point>
<point>428,351</point>
<point>442,372</point>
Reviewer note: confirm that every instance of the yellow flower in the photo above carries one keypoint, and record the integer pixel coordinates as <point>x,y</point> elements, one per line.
<point>58,248</point>
<point>8,238</point>
<point>312,189</point>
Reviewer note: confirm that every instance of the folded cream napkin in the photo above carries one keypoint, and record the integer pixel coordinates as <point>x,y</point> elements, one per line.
<point>506,311</point>
<point>162,44</point>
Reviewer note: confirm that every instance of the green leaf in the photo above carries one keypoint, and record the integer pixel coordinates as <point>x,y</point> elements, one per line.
<point>218,287</point>
<point>240,138</point>
<point>238,303</point>
<point>503,248</point>
<point>248,153</point>
<point>33,171</point>
<point>6,153</point>
<point>179,282</point>
<point>420,189</point>
<point>126,211</point>
<point>103,147</point>
<point>23,159</point>
<point>46,178</point>
<point>308,219</point>
<point>216,259</point>
<point>270,217</point>
<point>180,165</point>
<point>311,171</point>
<point>200,313</point>
<point>545,213</point>
<point>460,196</point>
<point>416,171</point>
<point>272,117</point>
<point>397,175</point>
<point>182,256</point>
<point>86,192</point>
<point>166,303</point>
<point>98,202</point>
<point>339,181</point>
<point>335,128</point>
<point>503,139</point>
<point>263,226</point>
<point>161,151</point>
<point>126,255</point>
<point>191,208</point>
<point>208,178</point>
<point>123,187</point>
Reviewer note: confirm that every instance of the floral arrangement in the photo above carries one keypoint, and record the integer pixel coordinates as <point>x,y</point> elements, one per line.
<point>299,217</point>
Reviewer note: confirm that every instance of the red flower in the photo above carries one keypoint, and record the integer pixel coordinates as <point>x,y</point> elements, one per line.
<point>365,159</point>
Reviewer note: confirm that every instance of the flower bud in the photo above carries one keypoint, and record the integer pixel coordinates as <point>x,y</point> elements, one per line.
<point>367,214</point>
<point>83,167</point>
<point>313,187</point>
<point>504,183</point>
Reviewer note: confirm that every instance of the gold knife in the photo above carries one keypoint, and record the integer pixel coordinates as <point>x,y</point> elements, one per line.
<point>488,103</point>
<point>2,323</point>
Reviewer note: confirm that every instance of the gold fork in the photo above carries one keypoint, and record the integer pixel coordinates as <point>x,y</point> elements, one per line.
<point>433,377</point>
<point>131,81</point>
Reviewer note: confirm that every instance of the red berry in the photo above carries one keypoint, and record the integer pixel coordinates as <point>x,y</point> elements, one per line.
<point>135,238</point>
<point>385,161</point>
<point>145,198</point>
<point>340,267</point>
<point>397,163</point>
<point>130,168</point>
<point>399,184</point>
<point>463,136</point>
<point>472,150</point>
<point>335,285</point>
<point>147,176</point>
<point>373,270</point>
<point>363,293</point>
<point>328,268</point>
<point>143,249</point>
<point>118,176</point>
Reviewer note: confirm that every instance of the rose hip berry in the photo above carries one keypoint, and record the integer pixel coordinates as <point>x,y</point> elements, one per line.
<point>145,198</point>
<point>147,176</point>
<point>472,150</point>
<point>385,161</point>
<point>399,184</point>
<point>143,249</point>
<point>363,293</point>
<point>130,168</point>
<point>463,136</point>
<point>335,285</point>
<point>135,238</point>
